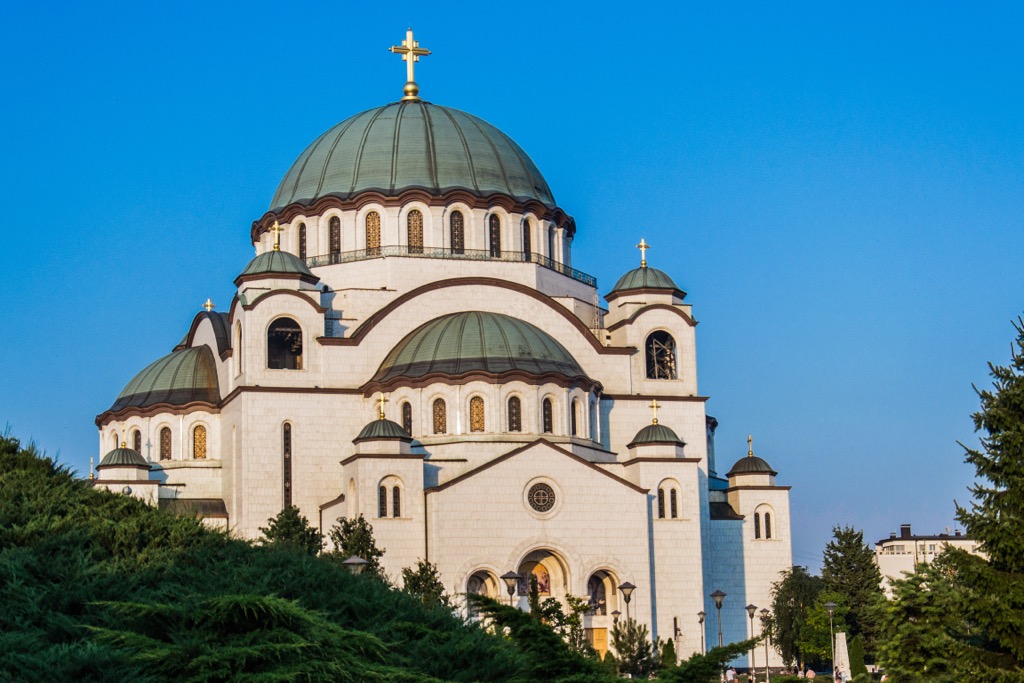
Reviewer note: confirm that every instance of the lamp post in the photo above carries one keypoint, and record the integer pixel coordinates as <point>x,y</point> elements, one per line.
<point>627,592</point>
<point>615,617</point>
<point>764,631</point>
<point>831,607</point>
<point>355,564</point>
<point>751,608</point>
<point>718,596</point>
<point>700,620</point>
<point>511,580</point>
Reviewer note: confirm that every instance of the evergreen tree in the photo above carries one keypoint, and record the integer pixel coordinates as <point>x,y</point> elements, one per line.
<point>668,654</point>
<point>353,536</point>
<point>291,529</point>
<point>849,569</point>
<point>815,642</point>
<point>793,595</point>
<point>637,655</point>
<point>424,583</point>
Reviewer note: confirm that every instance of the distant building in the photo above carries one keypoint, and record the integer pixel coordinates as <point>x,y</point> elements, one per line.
<point>898,555</point>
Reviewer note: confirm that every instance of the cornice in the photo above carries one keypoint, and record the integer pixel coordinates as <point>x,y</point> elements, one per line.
<point>611,296</point>
<point>652,307</point>
<point>107,416</point>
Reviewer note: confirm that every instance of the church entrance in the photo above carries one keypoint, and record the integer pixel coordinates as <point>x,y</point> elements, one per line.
<point>548,570</point>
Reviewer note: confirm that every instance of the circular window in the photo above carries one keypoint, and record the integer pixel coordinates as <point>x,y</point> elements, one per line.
<point>541,497</point>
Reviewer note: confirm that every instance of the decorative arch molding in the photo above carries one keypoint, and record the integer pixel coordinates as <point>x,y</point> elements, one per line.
<point>221,332</point>
<point>289,292</point>
<point>653,307</point>
<point>104,418</point>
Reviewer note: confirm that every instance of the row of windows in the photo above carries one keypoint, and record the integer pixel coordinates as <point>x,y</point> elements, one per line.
<point>477,421</point>
<point>767,525</point>
<point>199,446</point>
<point>673,503</point>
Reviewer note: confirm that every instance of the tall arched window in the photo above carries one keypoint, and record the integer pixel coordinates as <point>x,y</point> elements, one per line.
<point>598,595</point>
<point>113,440</point>
<point>661,503</point>
<point>757,525</point>
<point>527,245</point>
<point>335,238</point>
<point>382,501</point>
<point>661,356</point>
<point>494,236</point>
<point>440,417</point>
<point>515,414</point>
<point>407,417</point>
<point>137,440</point>
<point>547,416</point>
<point>396,502</point>
<point>238,351</point>
<point>415,226</point>
<point>458,230</point>
<point>286,457</point>
<point>551,242</point>
<point>165,443</point>
<point>302,240</point>
<point>573,418</point>
<point>767,525</point>
<point>476,414</point>
<point>284,345</point>
<point>373,234</point>
<point>199,442</point>
<point>673,504</point>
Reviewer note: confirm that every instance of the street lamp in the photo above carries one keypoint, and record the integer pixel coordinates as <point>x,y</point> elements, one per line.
<point>355,564</point>
<point>764,625</point>
<point>718,596</point>
<point>511,580</point>
<point>751,608</point>
<point>700,620</point>
<point>627,592</point>
<point>615,617</point>
<point>831,607</point>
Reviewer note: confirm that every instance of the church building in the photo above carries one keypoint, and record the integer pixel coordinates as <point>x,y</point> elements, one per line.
<point>413,343</point>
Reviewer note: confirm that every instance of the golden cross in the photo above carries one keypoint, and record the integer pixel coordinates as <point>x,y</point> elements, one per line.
<point>750,446</point>
<point>643,247</point>
<point>209,305</point>
<point>654,406</point>
<point>277,230</point>
<point>380,410</point>
<point>91,461</point>
<point>411,53</point>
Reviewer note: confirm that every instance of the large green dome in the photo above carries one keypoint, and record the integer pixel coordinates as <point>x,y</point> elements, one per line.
<point>183,377</point>
<point>407,145</point>
<point>459,345</point>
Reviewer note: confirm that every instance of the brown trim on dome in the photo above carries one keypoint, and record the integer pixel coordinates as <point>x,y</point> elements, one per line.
<point>291,292</point>
<point>124,466</point>
<point>615,294</point>
<point>377,456</point>
<point>757,488</point>
<point>270,275</point>
<point>634,444</point>
<point>648,458</point>
<point>563,381</point>
<point>106,416</point>
<point>222,335</point>
<point>652,307</point>
<point>648,397</point>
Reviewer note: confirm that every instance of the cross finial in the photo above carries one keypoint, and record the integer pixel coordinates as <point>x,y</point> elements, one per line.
<point>411,53</point>
<point>643,247</point>
<point>277,230</point>
<point>209,305</point>
<point>380,407</point>
<point>750,446</point>
<point>654,408</point>
<point>91,461</point>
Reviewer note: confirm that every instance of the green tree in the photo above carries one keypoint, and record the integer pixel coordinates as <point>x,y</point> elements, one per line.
<point>638,656</point>
<point>424,583</point>
<point>815,641</point>
<point>668,654</point>
<point>793,595</point>
<point>353,536</point>
<point>706,668</point>
<point>291,529</point>
<point>849,569</point>
<point>857,666</point>
<point>565,620</point>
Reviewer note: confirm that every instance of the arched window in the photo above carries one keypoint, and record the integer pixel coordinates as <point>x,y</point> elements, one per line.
<point>335,238</point>
<point>551,242</point>
<point>515,414</point>
<point>396,502</point>
<point>199,442</point>
<point>527,246</point>
<point>767,525</point>
<point>476,414</point>
<point>597,595</point>
<point>547,418</point>
<point>286,453</point>
<point>284,345</point>
<point>114,441</point>
<point>137,440</point>
<point>757,525</point>
<point>661,356</point>
<point>458,229</point>
<point>440,417</point>
<point>494,236</point>
<point>165,443</point>
<point>573,418</point>
<point>673,504</point>
<point>407,417</point>
<point>302,240</point>
<point>238,368</point>
<point>373,234</point>
<point>415,225</point>
<point>661,503</point>
<point>382,501</point>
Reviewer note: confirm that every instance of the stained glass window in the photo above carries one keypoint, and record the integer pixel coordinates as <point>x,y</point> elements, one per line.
<point>757,525</point>
<point>302,240</point>
<point>541,497</point>
<point>137,440</point>
<point>548,418</point>
<point>673,504</point>
<point>440,417</point>
<point>476,414</point>
<point>661,356</point>
<point>199,442</point>
<point>494,234</point>
<point>335,238</point>
<point>515,414</point>
<point>415,221</point>
<point>373,234</point>
<point>286,448</point>
<point>407,418</point>
<point>526,240</point>
<point>382,501</point>
<point>458,233</point>
<point>661,503</point>
<point>165,443</point>
<point>396,502</point>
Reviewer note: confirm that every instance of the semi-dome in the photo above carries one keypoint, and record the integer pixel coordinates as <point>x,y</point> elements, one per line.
<point>277,262</point>
<point>177,379</point>
<point>655,433</point>
<point>123,457</point>
<point>751,464</point>
<point>412,145</point>
<point>459,345</point>
<point>382,428</point>
<point>646,278</point>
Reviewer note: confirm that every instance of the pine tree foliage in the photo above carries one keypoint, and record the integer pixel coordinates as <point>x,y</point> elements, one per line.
<point>424,583</point>
<point>353,536</point>
<point>638,656</point>
<point>706,668</point>
<point>849,569</point>
<point>291,528</point>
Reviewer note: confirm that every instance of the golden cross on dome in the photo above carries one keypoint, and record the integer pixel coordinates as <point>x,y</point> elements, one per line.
<point>92,475</point>
<point>411,53</point>
<point>209,305</point>
<point>654,407</point>
<point>643,247</point>
<point>380,409</point>
<point>277,230</point>
<point>750,446</point>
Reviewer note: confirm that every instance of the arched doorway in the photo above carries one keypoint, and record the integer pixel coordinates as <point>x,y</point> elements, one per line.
<point>603,597</point>
<point>481,582</point>
<point>550,572</point>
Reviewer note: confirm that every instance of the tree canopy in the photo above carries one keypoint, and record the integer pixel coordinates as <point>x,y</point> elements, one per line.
<point>849,570</point>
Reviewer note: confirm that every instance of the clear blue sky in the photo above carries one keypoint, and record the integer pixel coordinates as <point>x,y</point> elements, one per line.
<point>838,188</point>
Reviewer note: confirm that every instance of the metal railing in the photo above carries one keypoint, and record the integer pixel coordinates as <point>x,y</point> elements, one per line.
<point>404,250</point>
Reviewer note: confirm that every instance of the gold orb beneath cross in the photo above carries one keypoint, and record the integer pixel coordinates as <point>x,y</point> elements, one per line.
<point>411,90</point>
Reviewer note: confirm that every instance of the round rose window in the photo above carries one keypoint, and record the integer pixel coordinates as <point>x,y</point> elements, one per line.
<point>541,497</point>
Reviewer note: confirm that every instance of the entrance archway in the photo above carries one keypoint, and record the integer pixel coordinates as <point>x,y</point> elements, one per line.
<point>550,572</point>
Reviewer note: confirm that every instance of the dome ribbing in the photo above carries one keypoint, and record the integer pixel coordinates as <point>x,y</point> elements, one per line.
<point>645,278</point>
<point>382,429</point>
<point>655,433</point>
<point>751,464</point>
<point>123,457</point>
<point>183,377</point>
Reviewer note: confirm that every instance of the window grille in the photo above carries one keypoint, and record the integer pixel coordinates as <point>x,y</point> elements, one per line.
<point>415,221</point>
<point>199,442</point>
<point>476,414</point>
<point>515,414</point>
<point>548,418</point>
<point>440,417</point>
<point>302,241</point>
<point>458,233</point>
<point>165,443</point>
<point>335,237</point>
<point>495,236</point>
<point>373,234</point>
<point>407,418</point>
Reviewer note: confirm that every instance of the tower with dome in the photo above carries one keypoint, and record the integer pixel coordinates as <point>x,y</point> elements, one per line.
<point>413,343</point>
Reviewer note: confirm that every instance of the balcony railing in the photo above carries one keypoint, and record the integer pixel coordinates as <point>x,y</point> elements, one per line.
<point>404,250</point>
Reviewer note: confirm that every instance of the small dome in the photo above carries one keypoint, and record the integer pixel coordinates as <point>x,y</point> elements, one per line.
<point>277,262</point>
<point>123,457</point>
<point>182,377</point>
<point>655,433</point>
<point>382,429</point>
<point>476,342</point>
<point>412,145</point>
<point>646,278</point>
<point>751,464</point>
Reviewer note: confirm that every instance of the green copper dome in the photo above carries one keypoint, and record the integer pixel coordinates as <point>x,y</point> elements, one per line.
<point>751,464</point>
<point>407,145</point>
<point>655,433</point>
<point>382,429</point>
<point>475,342</point>
<point>277,263</point>
<point>123,457</point>
<point>645,278</point>
<point>177,379</point>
